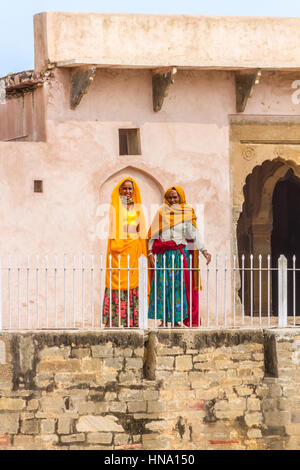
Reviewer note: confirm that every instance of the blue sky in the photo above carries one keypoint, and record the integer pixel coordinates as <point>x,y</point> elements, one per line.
<point>16,18</point>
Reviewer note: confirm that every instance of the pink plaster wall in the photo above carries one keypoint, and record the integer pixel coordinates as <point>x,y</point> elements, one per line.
<point>186,143</point>
<point>16,118</point>
<point>22,117</point>
<point>135,40</point>
<point>276,94</point>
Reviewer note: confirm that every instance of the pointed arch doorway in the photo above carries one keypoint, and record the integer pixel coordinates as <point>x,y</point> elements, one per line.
<point>269,225</point>
<point>285,236</point>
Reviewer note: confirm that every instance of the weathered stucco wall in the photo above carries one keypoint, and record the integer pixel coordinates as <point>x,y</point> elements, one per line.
<point>186,144</point>
<point>22,117</point>
<point>196,141</point>
<point>160,40</point>
<point>163,390</point>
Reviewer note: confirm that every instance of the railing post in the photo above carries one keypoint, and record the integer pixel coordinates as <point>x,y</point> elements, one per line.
<point>282,291</point>
<point>143,292</point>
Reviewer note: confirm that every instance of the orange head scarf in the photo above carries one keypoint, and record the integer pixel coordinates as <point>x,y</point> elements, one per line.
<point>123,243</point>
<point>170,215</point>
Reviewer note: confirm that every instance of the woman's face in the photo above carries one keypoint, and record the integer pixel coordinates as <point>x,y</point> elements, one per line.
<point>173,197</point>
<point>127,189</point>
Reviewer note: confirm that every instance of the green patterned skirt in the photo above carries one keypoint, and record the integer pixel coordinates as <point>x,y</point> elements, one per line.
<point>169,299</point>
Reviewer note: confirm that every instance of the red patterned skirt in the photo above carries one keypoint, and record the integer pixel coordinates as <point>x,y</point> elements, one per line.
<point>128,314</point>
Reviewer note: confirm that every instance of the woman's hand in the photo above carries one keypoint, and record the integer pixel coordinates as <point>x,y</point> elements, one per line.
<point>207,256</point>
<point>152,260</point>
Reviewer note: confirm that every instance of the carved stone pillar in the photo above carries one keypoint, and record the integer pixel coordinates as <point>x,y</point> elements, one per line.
<point>261,245</point>
<point>236,212</point>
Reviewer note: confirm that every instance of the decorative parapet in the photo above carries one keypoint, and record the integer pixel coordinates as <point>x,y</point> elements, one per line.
<point>149,41</point>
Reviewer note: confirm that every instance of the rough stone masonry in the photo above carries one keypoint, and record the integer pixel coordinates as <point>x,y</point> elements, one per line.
<point>232,389</point>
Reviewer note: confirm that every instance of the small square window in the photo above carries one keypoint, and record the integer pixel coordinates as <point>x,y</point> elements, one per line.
<point>38,186</point>
<point>129,142</point>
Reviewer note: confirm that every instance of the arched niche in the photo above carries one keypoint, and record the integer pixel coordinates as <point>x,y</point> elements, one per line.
<point>151,193</point>
<point>255,224</point>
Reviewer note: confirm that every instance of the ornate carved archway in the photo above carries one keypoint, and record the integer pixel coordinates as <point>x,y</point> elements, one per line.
<point>255,224</point>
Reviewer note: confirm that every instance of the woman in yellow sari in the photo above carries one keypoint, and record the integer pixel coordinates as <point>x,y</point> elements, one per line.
<point>126,242</point>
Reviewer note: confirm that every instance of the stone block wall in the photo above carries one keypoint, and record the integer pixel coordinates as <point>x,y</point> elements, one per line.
<point>165,389</point>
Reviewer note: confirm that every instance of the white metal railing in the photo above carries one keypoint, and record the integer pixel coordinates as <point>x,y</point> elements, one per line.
<point>67,292</point>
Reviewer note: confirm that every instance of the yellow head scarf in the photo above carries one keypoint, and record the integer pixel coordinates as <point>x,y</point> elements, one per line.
<point>123,243</point>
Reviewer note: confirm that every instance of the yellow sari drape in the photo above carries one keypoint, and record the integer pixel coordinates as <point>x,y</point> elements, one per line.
<point>125,243</point>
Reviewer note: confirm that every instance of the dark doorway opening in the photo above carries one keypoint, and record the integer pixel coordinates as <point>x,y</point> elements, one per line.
<point>285,237</point>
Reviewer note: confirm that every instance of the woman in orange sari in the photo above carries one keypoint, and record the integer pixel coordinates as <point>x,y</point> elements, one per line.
<point>173,234</point>
<point>127,241</point>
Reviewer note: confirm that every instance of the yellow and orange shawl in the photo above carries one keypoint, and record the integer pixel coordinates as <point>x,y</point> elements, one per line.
<point>124,243</point>
<point>170,215</point>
